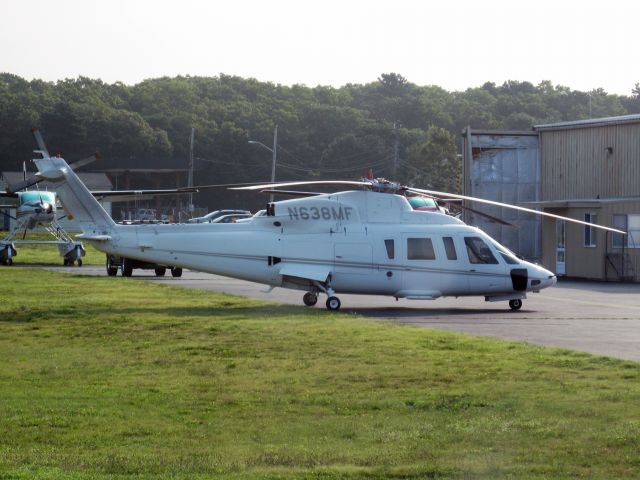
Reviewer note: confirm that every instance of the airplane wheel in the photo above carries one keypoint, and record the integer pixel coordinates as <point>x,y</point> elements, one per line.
<point>65,262</point>
<point>310,299</point>
<point>176,272</point>
<point>8,262</point>
<point>127,267</point>
<point>112,270</point>
<point>79,262</point>
<point>333,303</point>
<point>160,271</point>
<point>515,304</point>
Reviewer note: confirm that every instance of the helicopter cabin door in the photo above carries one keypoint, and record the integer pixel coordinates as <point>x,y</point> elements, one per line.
<point>486,273</point>
<point>422,258</point>
<point>353,266</point>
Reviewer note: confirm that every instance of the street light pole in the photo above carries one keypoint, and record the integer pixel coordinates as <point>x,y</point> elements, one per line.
<point>273,150</point>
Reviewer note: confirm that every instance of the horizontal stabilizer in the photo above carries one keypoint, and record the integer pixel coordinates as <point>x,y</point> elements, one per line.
<point>97,238</point>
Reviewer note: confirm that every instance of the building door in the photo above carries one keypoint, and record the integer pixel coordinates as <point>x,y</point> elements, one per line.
<point>561,236</point>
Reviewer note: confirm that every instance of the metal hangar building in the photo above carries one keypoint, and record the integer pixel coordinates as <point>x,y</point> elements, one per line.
<point>588,170</point>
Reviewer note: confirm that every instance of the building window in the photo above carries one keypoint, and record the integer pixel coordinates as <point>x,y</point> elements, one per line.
<point>629,224</point>
<point>391,250</point>
<point>478,251</point>
<point>420,249</point>
<point>589,232</point>
<point>450,248</point>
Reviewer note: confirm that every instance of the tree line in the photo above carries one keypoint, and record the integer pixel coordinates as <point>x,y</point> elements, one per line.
<point>401,130</point>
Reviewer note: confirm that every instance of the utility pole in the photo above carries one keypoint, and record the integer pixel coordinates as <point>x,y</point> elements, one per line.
<point>190,177</point>
<point>275,150</point>
<point>396,150</point>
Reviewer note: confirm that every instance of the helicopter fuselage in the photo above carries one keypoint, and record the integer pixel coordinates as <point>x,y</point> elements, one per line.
<point>352,242</point>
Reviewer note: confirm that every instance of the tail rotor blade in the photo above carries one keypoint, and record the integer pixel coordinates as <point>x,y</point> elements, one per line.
<point>40,141</point>
<point>85,161</point>
<point>16,187</point>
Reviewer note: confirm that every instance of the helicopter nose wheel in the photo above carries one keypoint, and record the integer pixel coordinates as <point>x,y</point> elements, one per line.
<point>310,299</point>
<point>333,303</point>
<point>515,304</point>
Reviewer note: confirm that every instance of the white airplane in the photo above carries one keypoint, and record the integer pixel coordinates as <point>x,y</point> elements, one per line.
<point>365,241</point>
<point>36,208</point>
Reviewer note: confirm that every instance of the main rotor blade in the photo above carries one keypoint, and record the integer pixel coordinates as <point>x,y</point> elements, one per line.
<point>295,184</point>
<point>513,207</point>
<point>490,217</point>
<point>225,185</point>
<point>291,193</point>
<point>40,141</point>
<point>126,195</point>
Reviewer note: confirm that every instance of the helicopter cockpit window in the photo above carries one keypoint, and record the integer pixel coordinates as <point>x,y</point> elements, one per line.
<point>479,252</point>
<point>450,248</point>
<point>506,254</point>
<point>420,249</point>
<point>391,250</point>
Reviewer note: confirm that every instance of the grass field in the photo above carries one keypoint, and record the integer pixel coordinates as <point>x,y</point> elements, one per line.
<point>117,380</point>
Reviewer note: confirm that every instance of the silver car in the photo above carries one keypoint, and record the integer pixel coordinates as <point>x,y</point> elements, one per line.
<point>209,217</point>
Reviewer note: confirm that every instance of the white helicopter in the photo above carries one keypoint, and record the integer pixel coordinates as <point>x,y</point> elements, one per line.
<point>363,241</point>
<point>36,208</point>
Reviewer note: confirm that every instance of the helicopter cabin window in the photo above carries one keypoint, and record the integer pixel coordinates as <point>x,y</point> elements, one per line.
<point>478,251</point>
<point>391,250</point>
<point>450,248</point>
<point>420,249</point>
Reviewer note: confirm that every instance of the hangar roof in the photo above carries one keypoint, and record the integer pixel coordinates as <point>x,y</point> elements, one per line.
<point>592,122</point>
<point>579,202</point>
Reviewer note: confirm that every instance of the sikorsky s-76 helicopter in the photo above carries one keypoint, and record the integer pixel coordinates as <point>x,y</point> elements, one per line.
<point>38,209</point>
<point>367,240</point>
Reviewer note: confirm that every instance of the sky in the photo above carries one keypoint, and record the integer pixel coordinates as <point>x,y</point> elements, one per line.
<point>457,44</point>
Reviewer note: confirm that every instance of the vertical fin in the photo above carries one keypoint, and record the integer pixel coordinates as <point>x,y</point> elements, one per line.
<point>78,202</point>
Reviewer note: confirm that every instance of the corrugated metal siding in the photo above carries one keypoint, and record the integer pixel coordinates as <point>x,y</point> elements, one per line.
<point>505,168</point>
<point>577,163</point>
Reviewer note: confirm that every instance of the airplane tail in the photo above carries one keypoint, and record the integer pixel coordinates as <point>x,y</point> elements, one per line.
<point>78,202</point>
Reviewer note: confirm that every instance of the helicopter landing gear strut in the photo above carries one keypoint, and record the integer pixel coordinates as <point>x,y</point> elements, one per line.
<point>311,298</point>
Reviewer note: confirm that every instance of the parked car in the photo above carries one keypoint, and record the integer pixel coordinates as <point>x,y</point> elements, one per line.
<point>209,217</point>
<point>233,218</point>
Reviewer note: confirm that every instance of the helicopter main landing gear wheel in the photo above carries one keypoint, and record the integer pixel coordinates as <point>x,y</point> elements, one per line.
<point>515,304</point>
<point>112,267</point>
<point>333,304</point>
<point>126,267</point>
<point>310,299</point>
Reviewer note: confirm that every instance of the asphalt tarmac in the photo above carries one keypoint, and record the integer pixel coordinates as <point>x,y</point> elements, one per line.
<point>595,317</point>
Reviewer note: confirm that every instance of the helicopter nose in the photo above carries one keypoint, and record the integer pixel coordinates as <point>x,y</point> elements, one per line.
<point>541,278</point>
